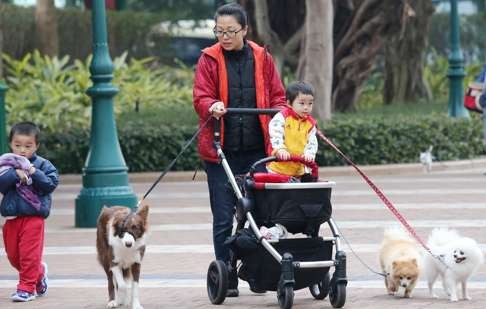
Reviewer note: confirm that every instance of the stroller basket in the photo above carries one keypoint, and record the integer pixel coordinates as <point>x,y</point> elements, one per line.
<point>262,271</point>
<point>300,207</point>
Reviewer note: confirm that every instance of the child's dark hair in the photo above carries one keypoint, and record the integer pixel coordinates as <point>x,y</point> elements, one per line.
<point>235,10</point>
<point>25,128</point>
<point>293,90</point>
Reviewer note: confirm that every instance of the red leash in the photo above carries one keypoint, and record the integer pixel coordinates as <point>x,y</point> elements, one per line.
<point>378,192</point>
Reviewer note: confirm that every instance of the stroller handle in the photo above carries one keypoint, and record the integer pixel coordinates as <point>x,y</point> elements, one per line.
<point>252,111</point>
<point>293,158</point>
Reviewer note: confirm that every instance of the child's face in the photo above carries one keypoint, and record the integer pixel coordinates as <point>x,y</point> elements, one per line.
<point>302,104</point>
<point>24,145</point>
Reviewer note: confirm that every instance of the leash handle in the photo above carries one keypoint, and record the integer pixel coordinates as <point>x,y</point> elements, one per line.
<point>378,192</point>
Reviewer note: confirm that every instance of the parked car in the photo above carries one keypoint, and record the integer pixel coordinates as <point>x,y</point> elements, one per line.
<point>183,39</point>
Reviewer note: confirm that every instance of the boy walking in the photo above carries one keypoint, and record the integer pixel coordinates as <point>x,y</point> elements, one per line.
<point>26,182</point>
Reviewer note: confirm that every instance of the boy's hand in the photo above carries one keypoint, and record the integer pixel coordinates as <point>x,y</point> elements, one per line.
<point>308,158</point>
<point>282,155</point>
<point>31,170</point>
<point>23,177</point>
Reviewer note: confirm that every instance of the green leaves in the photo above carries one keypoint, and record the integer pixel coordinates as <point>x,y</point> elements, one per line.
<point>397,139</point>
<point>51,91</point>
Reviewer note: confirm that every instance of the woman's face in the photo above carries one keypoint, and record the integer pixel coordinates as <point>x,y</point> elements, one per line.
<point>229,32</point>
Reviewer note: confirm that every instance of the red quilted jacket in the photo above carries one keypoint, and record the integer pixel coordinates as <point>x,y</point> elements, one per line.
<point>211,85</point>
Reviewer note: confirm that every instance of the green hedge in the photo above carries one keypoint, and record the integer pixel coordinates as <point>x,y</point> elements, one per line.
<point>374,141</point>
<point>127,31</point>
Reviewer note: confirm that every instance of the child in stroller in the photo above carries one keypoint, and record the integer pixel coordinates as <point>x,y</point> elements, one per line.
<point>293,132</point>
<point>283,265</point>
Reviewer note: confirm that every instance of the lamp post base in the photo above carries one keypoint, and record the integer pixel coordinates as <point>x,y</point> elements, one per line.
<point>94,196</point>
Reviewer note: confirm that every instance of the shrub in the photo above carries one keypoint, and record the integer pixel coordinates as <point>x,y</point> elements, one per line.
<point>51,91</point>
<point>129,32</point>
<point>150,147</point>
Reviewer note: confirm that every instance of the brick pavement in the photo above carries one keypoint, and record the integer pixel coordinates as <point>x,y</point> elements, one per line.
<point>177,280</point>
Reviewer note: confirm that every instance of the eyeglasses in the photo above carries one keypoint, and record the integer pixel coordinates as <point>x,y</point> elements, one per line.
<point>228,33</point>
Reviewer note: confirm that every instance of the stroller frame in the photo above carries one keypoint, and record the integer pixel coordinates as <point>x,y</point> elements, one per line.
<point>219,272</point>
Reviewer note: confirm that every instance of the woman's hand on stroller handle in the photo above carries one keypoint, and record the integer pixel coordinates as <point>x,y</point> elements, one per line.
<point>217,109</point>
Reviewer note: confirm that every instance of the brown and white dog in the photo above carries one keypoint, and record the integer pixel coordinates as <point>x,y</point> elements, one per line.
<point>120,243</point>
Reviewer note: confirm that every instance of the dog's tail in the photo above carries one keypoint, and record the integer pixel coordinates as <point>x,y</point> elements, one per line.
<point>441,236</point>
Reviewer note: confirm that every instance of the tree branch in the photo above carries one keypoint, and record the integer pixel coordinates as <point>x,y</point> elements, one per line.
<point>264,29</point>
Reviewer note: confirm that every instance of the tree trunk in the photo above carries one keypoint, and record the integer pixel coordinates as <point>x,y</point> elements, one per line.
<point>46,28</point>
<point>278,25</point>
<point>262,20</point>
<point>361,26</point>
<point>317,55</point>
<point>405,56</point>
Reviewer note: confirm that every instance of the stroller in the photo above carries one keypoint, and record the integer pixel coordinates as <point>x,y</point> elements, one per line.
<point>286,264</point>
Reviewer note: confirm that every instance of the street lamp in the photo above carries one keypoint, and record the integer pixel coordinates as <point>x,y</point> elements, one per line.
<point>3,124</point>
<point>456,67</point>
<point>105,177</point>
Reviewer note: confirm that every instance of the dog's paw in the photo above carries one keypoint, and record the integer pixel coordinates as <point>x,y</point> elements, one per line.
<point>467,297</point>
<point>112,304</point>
<point>454,299</point>
<point>433,295</point>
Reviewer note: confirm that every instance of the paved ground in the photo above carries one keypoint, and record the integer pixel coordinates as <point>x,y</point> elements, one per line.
<point>180,246</point>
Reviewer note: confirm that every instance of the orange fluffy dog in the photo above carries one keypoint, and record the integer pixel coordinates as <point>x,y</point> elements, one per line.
<point>399,260</point>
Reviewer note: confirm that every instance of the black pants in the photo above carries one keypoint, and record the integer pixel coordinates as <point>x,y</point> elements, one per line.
<point>223,198</point>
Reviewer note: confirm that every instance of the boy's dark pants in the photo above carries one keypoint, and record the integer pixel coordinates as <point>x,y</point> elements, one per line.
<point>24,241</point>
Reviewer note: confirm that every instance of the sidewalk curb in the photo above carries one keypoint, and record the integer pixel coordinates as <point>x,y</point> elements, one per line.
<point>372,170</point>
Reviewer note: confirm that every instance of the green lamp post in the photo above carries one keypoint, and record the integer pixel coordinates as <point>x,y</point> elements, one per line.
<point>3,124</point>
<point>456,68</point>
<point>105,177</point>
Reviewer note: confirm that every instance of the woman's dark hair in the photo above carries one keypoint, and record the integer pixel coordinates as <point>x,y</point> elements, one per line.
<point>295,88</point>
<point>235,10</point>
<point>25,128</point>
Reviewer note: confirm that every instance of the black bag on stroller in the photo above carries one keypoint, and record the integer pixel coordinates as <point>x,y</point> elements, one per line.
<point>299,210</point>
<point>262,271</point>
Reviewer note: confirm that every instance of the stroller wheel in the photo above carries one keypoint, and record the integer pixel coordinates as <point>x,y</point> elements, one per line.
<point>217,282</point>
<point>321,289</point>
<point>285,297</point>
<point>337,294</point>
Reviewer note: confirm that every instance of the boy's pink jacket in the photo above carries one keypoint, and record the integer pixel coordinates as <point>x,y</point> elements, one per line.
<point>211,85</point>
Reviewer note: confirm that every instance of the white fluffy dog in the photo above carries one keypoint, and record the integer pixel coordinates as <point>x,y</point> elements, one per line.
<point>457,258</point>
<point>426,158</point>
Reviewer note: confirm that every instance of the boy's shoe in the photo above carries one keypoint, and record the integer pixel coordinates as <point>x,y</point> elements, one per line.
<point>22,296</point>
<point>42,286</point>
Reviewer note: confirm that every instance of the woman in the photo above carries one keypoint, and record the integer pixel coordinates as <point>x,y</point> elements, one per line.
<point>236,73</point>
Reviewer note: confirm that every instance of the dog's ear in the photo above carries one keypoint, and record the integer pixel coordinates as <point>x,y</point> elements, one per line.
<point>143,212</point>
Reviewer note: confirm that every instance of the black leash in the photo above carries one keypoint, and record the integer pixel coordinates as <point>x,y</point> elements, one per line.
<point>169,166</point>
